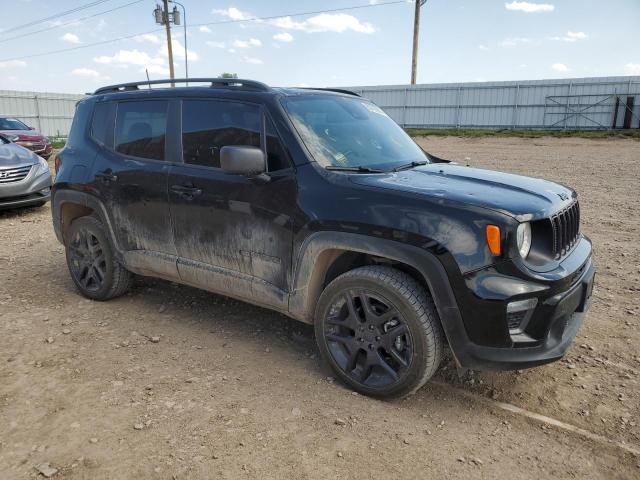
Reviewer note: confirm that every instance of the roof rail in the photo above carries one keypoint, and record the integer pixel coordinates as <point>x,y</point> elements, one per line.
<point>337,90</point>
<point>215,82</point>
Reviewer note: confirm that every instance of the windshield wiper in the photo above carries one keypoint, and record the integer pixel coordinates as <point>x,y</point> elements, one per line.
<point>357,169</point>
<point>410,165</point>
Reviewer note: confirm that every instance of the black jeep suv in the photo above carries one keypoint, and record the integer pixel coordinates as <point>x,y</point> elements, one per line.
<point>316,204</point>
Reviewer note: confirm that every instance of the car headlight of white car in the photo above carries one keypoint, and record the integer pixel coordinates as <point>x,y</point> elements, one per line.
<point>42,166</point>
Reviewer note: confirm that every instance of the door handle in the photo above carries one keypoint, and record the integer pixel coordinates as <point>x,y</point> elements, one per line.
<point>107,176</point>
<point>186,191</point>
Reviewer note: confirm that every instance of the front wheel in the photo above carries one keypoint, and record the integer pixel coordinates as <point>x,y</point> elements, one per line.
<point>379,331</point>
<point>91,261</point>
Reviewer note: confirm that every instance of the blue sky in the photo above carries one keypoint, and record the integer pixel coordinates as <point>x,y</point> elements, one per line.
<point>461,40</point>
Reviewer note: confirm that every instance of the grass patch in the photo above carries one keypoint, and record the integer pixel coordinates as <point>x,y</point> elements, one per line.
<point>478,133</point>
<point>58,143</point>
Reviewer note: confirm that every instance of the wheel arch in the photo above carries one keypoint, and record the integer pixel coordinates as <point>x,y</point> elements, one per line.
<point>325,255</point>
<point>69,205</point>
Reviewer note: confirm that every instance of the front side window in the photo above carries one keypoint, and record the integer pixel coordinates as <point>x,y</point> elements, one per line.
<point>350,132</point>
<point>209,125</point>
<point>141,129</point>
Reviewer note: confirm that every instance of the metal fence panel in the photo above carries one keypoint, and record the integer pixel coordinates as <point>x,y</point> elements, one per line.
<point>578,103</point>
<point>50,113</point>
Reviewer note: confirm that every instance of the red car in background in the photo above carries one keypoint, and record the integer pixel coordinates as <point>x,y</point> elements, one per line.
<point>26,136</point>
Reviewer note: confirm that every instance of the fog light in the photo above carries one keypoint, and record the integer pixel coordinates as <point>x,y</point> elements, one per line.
<point>518,315</point>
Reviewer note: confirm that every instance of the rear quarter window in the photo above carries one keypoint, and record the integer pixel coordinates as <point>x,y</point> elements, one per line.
<point>101,128</point>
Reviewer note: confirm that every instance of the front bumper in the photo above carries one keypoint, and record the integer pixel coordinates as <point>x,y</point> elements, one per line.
<point>479,330</point>
<point>43,149</point>
<point>565,312</point>
<point>33,190</point>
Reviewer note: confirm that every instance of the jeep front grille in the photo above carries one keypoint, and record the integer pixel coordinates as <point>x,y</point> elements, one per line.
<point>15,174</point>
<point>565,226</point>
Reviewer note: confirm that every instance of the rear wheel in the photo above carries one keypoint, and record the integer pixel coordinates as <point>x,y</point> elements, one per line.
<point>92,264</point>
<point>379,331</point>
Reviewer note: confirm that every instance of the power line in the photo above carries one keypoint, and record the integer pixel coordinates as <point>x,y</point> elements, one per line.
<point>253,19</point>
<point>70,22</point>
<point>273,17</point>
<point>57,15</point>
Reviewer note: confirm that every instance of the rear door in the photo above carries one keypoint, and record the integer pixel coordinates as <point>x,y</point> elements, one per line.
<point>232,233</point>
<point>131,171</point>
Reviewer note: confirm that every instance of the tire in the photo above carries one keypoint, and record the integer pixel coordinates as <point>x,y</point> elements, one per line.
<point>365,341</point>
<point>92,265</point>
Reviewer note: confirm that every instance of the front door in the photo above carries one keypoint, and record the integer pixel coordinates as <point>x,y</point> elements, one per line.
<point>233,234</point>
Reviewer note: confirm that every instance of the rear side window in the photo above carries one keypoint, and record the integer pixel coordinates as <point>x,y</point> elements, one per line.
<point>100,128</point>
<point>141,129</point>
<point>209,125</point>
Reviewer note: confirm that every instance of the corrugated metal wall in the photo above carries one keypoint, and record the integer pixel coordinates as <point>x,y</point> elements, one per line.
<point>580,103</point>
<point>50,113</point>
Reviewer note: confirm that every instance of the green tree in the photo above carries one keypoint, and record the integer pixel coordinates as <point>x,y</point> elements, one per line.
<point>228,75</point>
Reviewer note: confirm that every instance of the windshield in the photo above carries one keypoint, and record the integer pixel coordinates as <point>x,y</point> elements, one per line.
<point>351,132</point>
<point>12,124</point>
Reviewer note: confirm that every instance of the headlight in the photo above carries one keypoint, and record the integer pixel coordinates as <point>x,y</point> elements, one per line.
<point>13,138</point>
<point>523,238</point>
<point>43,166</point>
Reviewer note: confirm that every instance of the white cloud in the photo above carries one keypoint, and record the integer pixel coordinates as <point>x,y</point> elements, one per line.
<point>13,64</point>
<point>515,41</point>
<point>88,73</point>
<point>178,51</point>
<point>85,72</point>
<point>233,13</point>
<point>148,37</point>
<point>157,69</point>
<point>572,36</point>
<point>213,44</point>
<point>483,47</point>
<point>252,42</point>
<point>283,37</point>
<point>70,38</point>
<point>632,68</point>
<point>528,7</point>
<point>130,57</point>
<point>252,60</point>
<point>205,29</point>
<point>560,67</point>
<point>325,22</point>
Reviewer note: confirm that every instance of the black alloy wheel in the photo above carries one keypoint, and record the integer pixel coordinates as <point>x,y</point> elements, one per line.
<point>379,330</point>
<point>87,260</point>
<point>368,338</point>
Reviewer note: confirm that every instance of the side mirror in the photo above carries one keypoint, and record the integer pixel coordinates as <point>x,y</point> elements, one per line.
<point>242,160</point>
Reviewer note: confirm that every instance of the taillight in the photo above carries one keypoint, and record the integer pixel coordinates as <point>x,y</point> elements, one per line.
<point>57,163</point>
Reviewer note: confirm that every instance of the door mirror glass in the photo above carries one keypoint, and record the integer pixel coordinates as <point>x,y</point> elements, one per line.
<point>242,160</point>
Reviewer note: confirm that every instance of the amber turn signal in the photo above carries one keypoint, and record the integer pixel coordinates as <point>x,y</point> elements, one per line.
<point>493,239</point>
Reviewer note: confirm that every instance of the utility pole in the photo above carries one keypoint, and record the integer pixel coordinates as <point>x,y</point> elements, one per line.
<point>176,20</point>
<point>416,31</point>
<point>163,17</point>
<point>167,24</point>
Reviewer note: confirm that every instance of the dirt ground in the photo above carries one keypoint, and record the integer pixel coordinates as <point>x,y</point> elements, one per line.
<point>234,391</point>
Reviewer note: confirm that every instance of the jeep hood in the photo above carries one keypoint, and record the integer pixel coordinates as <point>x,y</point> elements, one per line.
<point>12,155</point>
<point>524,198</point>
